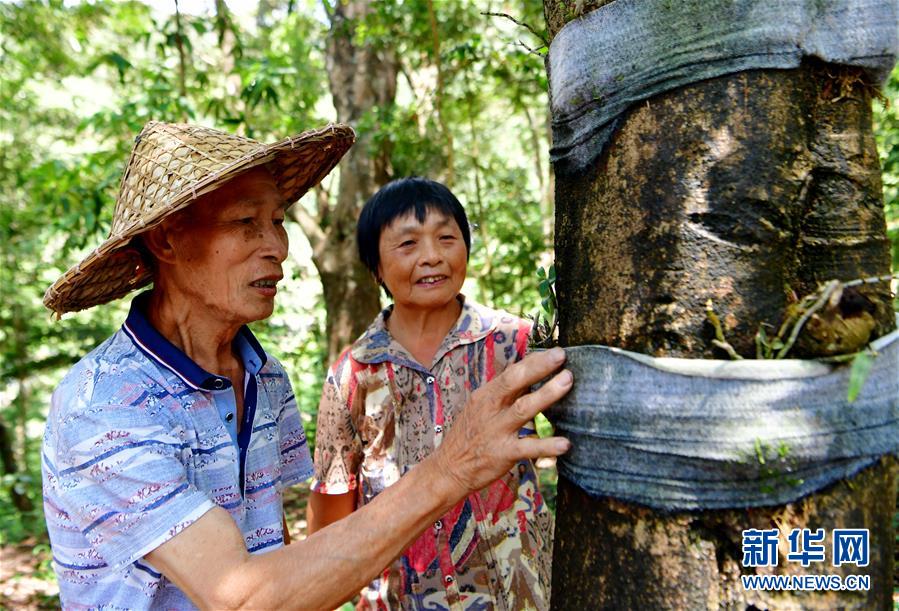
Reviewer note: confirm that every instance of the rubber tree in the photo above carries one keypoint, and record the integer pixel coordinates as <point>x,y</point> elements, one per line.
<point>796,200</point>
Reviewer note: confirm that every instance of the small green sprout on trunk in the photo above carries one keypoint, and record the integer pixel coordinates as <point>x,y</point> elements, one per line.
<point>546,322</point>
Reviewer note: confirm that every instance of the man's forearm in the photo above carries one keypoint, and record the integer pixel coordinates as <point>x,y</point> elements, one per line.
<point>321,571</point>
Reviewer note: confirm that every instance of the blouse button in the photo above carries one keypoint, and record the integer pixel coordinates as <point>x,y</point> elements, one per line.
<point>438,525</point>
<point>219,383</point>
<point>438,429</point>
<point>430,380</point>
<point>229,417</point>
<point>448,579</point>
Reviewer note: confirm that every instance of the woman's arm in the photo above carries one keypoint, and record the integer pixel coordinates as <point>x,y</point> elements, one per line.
<point>325,509</point>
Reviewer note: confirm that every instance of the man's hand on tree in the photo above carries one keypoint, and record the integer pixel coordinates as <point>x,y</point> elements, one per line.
<point>484,441</point>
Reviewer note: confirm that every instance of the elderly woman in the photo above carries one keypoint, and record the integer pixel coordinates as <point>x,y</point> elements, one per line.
<point>168,446</point>
<point>390,399</point>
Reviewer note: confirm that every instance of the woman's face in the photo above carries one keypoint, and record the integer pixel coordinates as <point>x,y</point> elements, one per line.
<point>423,264</point>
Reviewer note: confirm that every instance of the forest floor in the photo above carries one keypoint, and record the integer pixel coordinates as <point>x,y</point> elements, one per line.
<point>27,581</point>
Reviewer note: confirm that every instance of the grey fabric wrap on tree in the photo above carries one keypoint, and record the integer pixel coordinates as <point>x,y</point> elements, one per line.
<point>688,434</point>
<point>626,51</point>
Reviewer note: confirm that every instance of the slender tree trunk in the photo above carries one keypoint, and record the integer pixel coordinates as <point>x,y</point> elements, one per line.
<point>230,49</point>
<point>439,95</point>
<point>362,78</point>
<point>741,189</point>
<point>485,277</point>
<point>20,430</point>
<point>182,60</point>
<point>10,467</point>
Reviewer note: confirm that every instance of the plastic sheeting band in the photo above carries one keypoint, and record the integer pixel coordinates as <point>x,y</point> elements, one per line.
<point>630,50</point>
<point>688,434</point>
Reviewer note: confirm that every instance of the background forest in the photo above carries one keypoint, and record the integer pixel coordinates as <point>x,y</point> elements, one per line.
<point>440,88</point>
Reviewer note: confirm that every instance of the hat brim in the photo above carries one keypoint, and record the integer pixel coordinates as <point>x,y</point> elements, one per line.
<point>116,268</point>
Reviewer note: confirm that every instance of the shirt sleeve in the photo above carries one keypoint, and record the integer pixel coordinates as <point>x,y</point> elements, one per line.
<point>296,461</point>
<point>121,479</point>
<point>519,331</point>
<point>338,449</point>
<point>522,335</point>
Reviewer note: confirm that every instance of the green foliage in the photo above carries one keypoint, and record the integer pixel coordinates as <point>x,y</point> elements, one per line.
<point>861,367</point>
<point>886,131</point>
<point>545,286</point>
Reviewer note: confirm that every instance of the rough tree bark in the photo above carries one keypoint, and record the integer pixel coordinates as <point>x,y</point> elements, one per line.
<point>361,78</point>
<point>740,189</point>
<point>10,467</point>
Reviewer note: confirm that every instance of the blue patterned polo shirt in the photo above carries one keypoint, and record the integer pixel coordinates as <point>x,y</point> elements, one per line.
<point>141,442</point>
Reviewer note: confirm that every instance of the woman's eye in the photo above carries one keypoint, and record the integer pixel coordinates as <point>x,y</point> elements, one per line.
<point>406,243</point>
<point>246,220</point>
<point>447,237</point>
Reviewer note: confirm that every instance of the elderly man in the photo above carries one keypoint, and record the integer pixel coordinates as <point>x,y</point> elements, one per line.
<point>168,447</point>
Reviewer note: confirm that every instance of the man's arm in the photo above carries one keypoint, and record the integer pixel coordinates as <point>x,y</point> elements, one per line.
<point>208,560</point>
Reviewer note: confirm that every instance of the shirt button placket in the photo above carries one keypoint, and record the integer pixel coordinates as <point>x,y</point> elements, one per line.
<point>438,428</point>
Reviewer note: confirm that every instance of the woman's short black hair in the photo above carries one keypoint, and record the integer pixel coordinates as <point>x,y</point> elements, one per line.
<point>397,199</point>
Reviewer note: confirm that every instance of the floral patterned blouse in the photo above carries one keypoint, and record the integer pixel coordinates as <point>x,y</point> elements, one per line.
<point>382,412</point>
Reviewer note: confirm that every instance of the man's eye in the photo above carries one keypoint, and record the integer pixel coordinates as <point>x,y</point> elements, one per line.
<point>407,243</point>
<point>447,237</point>
<point>249,220</point>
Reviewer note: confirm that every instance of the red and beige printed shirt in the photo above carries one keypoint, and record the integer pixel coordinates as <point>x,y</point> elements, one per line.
<point>381,413</point>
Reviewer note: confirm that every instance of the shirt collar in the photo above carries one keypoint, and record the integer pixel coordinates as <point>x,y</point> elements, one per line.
<point>376,345</point>
<point>160,350</point>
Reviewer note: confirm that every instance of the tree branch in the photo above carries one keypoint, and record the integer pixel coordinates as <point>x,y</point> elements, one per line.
<point>518,23</point>
<point>309,225</point>
<point>329,11</point>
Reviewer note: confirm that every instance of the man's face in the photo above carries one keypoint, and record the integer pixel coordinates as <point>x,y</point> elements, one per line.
<point>228,248</point>
<point>423,265</point>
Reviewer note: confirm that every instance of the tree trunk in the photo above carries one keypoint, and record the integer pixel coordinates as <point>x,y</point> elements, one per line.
<point>8,462</point>
<point>742,189</point>
<point>230,49</point>
<point>362,79</point>
<point>182,61</point>
<point>11,466</point>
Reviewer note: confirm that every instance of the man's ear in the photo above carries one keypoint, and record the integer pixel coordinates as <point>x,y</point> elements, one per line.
<point>160,241</point>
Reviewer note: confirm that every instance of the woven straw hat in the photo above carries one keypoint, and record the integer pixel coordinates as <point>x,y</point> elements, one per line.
<point>170,166</point>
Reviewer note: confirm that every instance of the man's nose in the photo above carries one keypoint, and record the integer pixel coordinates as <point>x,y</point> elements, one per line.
<point>275,243</point>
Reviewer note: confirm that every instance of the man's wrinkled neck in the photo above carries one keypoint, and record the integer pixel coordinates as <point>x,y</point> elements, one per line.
<point>195,330</point>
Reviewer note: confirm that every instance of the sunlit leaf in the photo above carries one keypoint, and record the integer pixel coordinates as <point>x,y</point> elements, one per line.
<point>861,368</point>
